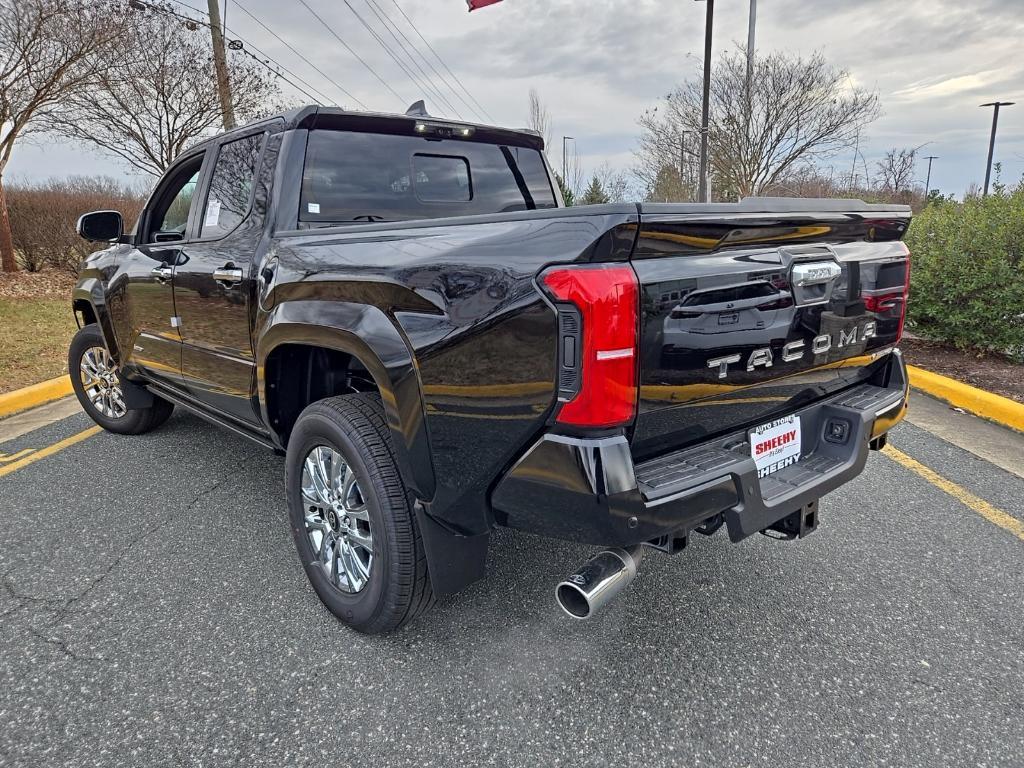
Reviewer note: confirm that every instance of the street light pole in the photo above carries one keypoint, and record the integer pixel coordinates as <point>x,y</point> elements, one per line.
<point>992,139</point>
<point>751,23</point>
<point>565,155</point>
<point>928,178</point>
<point>702,183</point>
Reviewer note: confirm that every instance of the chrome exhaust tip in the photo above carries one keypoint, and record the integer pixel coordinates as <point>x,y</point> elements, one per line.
<point>598,581</point>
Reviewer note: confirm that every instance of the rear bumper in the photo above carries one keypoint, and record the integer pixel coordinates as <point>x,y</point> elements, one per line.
<point>589,490</point>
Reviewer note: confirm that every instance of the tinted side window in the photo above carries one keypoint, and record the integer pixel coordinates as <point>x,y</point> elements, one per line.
<point>169,209</point>
<point>362,177</point>
<point>175,218</point>
<point>231,185</point>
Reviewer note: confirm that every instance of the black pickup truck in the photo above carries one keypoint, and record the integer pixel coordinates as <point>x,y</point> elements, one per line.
<point>404,308</point>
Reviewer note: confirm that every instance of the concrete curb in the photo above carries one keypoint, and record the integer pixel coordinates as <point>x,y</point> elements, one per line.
<point>37,394</point>
<point>1001,410</point>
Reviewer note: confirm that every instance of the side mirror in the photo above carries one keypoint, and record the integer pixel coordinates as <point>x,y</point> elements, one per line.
<point>100,226</point>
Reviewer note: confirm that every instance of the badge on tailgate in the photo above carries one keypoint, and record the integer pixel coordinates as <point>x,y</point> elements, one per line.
<point>775,445</point>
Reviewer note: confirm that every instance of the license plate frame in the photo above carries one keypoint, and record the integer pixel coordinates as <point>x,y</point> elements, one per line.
<point>776,444</point>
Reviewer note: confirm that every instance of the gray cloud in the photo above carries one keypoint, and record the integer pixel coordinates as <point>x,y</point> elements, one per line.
<point>599,63</point>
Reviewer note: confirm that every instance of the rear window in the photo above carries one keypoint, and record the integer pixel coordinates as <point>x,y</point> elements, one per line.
<point>366,177</point>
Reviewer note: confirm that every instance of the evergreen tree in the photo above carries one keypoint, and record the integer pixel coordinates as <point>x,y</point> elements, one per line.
<point>567,194</point>
<point>595,193</point>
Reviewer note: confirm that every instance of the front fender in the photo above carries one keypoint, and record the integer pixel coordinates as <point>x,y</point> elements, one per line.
<point>89,290</point>
<point>368,335</point>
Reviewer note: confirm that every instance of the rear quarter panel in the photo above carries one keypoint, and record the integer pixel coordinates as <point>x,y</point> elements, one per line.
<point>461,295</point>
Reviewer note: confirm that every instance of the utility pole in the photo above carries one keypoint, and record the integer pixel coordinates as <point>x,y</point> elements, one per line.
<point>227,109</point>
<point>702,182</point>
<point>992,138</point>
<point>928,178</point>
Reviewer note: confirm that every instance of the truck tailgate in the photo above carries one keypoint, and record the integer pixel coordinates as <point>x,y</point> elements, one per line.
<point>752,310</point>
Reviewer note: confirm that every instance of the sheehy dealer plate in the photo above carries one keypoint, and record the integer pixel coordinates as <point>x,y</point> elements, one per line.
<point>775,445</point>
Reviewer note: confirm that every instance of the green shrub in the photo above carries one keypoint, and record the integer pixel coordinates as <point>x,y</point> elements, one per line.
<point>967,276</point>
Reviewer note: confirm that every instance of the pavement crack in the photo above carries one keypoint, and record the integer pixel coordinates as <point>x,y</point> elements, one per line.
<point>926,684</point>
<point>139,538</point>
<point>21,598</point>
<point>63,647</point>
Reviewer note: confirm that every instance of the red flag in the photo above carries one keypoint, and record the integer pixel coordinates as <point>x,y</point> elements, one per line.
<point>474,4</point>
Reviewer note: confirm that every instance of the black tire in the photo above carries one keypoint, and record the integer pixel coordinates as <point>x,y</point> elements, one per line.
<point>398,587</point>
<point>134,421</point>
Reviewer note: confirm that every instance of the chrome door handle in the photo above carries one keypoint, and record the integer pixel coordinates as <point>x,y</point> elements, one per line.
<point>162,272</point>
<point>227,275</point>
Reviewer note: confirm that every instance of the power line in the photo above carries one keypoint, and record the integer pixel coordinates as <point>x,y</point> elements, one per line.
<point>288,45</point>
<point>426,60</point>
<point>435,91</point>
<point>442,61</point>
<point>266,61</point>
<point>349,49</point>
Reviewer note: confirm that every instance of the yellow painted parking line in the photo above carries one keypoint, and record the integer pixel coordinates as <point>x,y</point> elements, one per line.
<point>42,453</point>
<point>5,458</point>
<point>965,497</point>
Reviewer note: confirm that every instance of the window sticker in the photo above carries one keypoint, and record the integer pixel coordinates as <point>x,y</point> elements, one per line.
<point>313,207</point>
<point>212,213</point>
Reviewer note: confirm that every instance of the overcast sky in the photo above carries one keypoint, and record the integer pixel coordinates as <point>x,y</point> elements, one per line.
<point>598,64</point>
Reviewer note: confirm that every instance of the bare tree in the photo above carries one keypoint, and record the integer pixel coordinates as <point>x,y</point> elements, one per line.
<point>147,109</point>
<point>49,49</point>
<point>801,111</point>
<point>540,119</point>
<point>615,183</point>
<point>668,186</point>
<point>894,174</point>
<point>574,171</point>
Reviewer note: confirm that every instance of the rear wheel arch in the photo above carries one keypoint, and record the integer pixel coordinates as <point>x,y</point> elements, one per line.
<point>302,363</point>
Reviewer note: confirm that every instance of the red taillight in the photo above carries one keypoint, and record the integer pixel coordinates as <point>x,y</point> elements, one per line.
<point>606,298</point>
<point>906,297</point>
<point>783,303</point>
<point>885,302</point>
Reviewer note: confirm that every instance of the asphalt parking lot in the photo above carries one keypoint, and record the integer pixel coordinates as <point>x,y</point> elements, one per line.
<point>153,612</point>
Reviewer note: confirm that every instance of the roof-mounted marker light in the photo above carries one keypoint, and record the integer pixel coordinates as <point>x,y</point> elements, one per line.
<point>443,130</point>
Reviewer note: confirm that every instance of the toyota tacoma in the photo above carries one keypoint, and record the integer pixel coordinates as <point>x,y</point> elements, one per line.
<point>403,307</point>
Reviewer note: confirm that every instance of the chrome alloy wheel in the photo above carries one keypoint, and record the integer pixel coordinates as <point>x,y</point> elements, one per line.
<point>337,520</point>
<point>101,383</point>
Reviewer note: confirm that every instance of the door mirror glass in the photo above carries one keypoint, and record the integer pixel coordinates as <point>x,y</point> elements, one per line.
<point>100,226</point>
